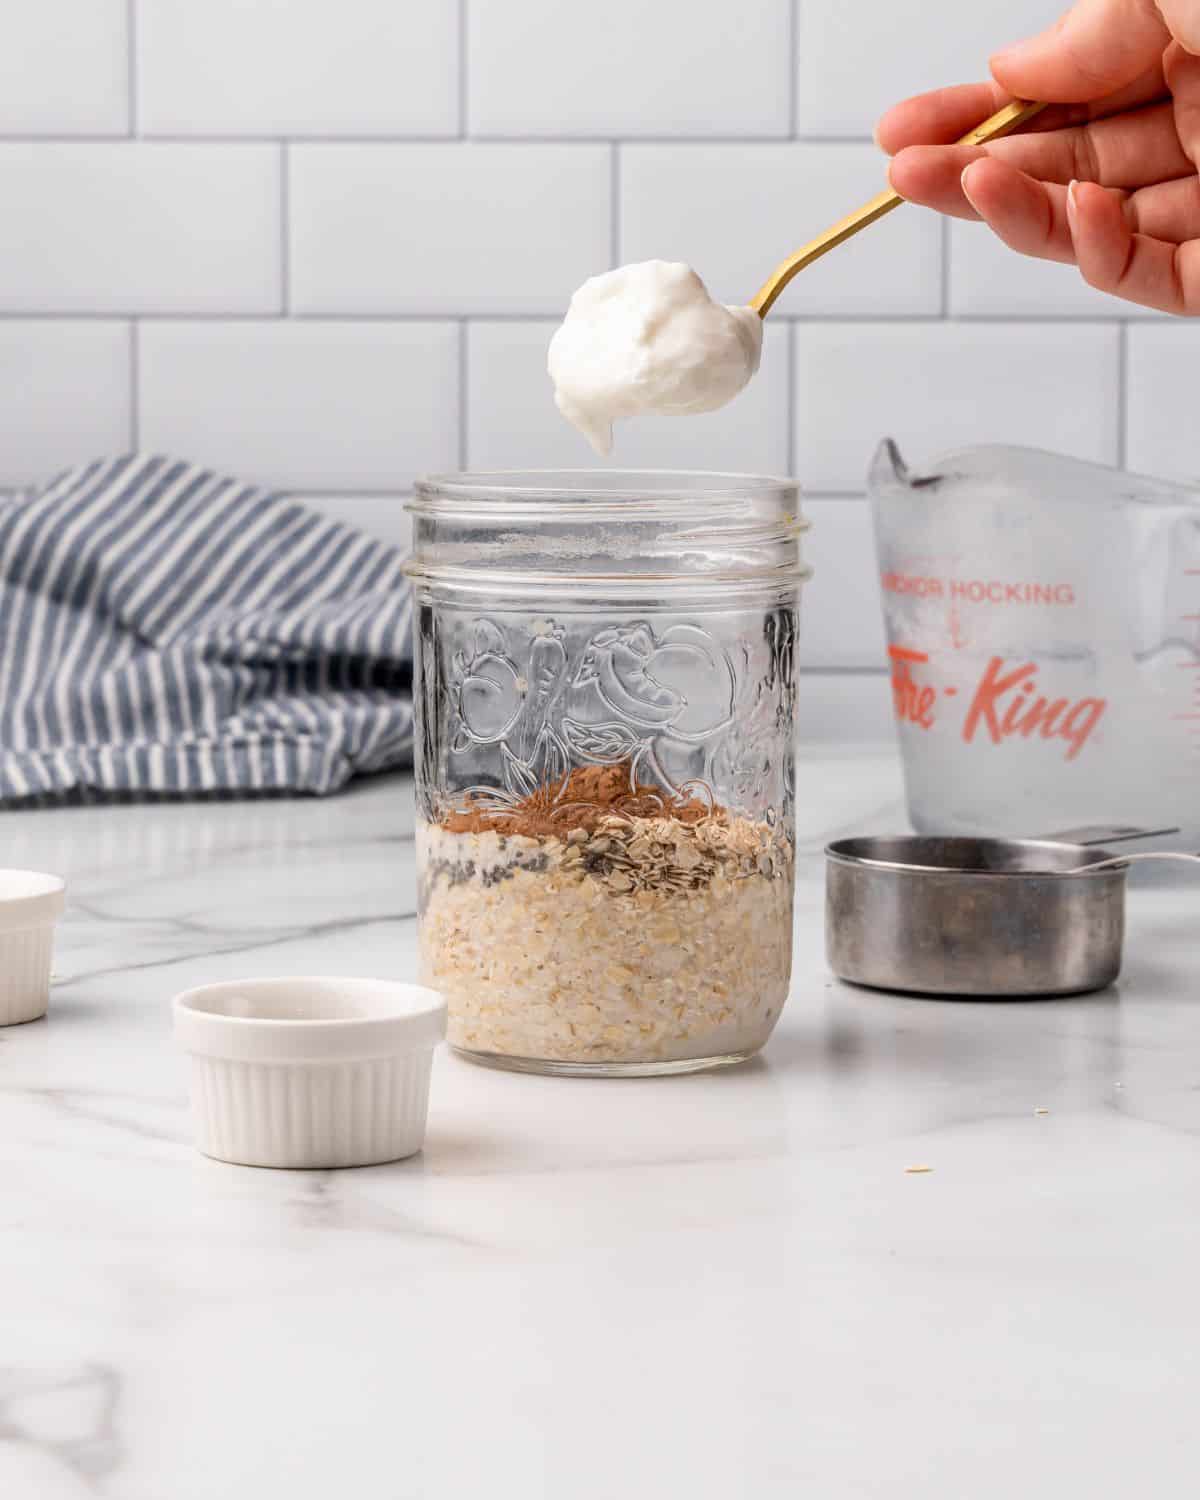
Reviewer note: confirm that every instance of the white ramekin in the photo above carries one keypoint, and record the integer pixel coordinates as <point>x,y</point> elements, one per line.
<point>30,904</point>
<point>310,1072</point>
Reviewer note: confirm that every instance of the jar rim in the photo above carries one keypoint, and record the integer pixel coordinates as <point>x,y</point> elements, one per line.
<point>553,487</point>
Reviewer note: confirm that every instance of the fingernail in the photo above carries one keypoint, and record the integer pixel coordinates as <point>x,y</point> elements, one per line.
<point>1072,207</point>
<point>966,190</point>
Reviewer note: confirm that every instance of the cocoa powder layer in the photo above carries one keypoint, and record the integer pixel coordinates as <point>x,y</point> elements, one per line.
<point>581,800</point>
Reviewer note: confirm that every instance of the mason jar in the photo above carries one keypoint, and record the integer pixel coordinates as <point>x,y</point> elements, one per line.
<point>605,678</point>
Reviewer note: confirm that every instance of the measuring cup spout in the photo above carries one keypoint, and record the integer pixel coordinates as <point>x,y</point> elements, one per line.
<point>888,470</point>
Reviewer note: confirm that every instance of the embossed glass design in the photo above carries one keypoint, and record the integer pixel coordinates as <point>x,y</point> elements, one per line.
<point>605,682</point>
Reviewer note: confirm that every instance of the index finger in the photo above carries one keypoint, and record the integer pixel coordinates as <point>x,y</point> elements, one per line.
<point>939,118</point>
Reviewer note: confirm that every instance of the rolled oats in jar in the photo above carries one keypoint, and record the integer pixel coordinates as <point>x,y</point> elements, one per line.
<point>605,688</point>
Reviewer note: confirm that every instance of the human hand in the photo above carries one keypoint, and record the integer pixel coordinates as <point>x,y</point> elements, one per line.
<point>1106,178</point>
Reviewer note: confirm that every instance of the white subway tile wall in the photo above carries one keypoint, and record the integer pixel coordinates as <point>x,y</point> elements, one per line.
<point>67,396</point>
<point>511,413</point>
<point>987,280</point>
<point>734,211</point>
<point>855,57</point>
<point>843,616</point>
<point>940,386</point>
<point>64,67</point>
<point>629,68</point>
<point>324,246</point>
<point>1163,363</point>
<point>139,227</point>
<point>454,229</point>
<point>297,67</point>
<point>320,405</point>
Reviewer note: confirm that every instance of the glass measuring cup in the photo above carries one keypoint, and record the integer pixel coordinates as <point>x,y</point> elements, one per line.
<point>1043,625</point>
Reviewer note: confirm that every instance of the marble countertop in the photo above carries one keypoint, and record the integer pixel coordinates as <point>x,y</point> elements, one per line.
<point>715,1286</point>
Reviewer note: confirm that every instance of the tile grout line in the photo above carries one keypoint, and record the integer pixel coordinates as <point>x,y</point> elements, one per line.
<point>463,398</point>
<point>614,211</point>
<point>285,233</point>
<point>1123,395</point>
<point>793,55</point>
<point>131,66</point>
<point>551,315</point>
<point>135,423</point>
<point>791,400</point>
<point>428,138</point>
<point>945,243</point>
<point>463,112</point>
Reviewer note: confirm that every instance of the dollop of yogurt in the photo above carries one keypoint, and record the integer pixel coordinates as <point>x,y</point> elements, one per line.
<point>649,338</point>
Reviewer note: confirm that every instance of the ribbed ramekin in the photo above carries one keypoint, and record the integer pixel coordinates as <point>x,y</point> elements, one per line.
<point>310,1072</point>
<point>30,904</point>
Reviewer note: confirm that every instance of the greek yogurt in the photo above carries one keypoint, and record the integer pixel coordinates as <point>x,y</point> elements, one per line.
<point>649,338</point>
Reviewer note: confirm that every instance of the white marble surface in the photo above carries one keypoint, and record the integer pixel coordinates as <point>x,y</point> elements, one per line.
<point>718,1286</point>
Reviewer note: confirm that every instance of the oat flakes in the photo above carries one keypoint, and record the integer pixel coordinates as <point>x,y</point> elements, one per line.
<point>646,939</point>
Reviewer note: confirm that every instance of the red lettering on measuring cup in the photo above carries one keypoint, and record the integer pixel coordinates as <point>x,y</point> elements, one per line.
<point>1004,591</point>
<point>913,701</point>
<point>1080,722</point>
<point>911,583</point>
<point>1005,705</point>
<point>986,702</point>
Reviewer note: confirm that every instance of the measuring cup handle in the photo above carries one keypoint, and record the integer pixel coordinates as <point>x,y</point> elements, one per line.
<point>1141,857</point>
<point>1097,833</point>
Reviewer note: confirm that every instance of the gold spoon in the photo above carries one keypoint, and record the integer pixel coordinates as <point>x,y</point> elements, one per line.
<point>1010,118</point>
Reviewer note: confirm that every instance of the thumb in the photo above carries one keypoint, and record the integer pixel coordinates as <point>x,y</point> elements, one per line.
<point>1183,21</point>
<point>1096,48</point>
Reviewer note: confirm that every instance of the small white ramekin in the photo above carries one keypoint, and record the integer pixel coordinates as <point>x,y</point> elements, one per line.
<point>311,1072</point>
<point>30,904</point>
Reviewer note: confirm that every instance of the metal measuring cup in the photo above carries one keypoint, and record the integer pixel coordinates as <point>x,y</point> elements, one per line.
<point>979,917</point>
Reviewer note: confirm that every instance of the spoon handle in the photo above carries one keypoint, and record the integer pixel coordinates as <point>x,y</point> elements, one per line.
<point>1010,118</point>
<point>1132,859</point>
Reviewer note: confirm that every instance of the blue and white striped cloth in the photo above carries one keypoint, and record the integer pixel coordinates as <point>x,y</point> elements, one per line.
<point>167,630</point>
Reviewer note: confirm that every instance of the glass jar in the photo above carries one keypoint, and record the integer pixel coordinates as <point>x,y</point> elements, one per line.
<point>605,694</point>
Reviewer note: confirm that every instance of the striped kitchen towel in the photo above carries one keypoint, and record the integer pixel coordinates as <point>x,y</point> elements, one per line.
<point>165,630</point>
